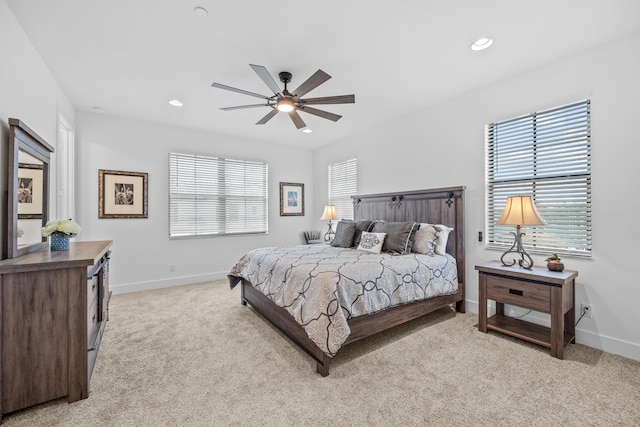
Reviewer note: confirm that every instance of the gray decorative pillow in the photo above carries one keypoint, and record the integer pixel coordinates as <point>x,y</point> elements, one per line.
<point>345,230</point>
<point>371,242</point>
<point>364,225</point>
<point>399,235</point>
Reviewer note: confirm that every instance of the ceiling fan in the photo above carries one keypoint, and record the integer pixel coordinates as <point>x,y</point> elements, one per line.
<point>290,102</point>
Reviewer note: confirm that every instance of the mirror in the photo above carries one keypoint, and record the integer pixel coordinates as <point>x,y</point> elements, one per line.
<point>28,189</point>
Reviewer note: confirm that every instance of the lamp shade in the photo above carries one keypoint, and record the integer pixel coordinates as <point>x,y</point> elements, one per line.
<point>329,213</point>
<point>520,210</point>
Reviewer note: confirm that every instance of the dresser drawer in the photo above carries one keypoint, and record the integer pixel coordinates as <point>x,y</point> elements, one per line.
<point>92,324</point>
<point>523,294</point>
<point>92,290</point>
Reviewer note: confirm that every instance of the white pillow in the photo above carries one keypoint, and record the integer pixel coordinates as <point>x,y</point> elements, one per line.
<point>443,237</point>
<point>371,242</point>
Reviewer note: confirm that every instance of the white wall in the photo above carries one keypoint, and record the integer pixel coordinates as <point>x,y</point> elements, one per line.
<point>445,146</point>
<point>142,251</point>
<point>29,92</point>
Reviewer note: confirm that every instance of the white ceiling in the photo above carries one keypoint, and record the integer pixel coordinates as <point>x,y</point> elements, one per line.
<point>129,57</point>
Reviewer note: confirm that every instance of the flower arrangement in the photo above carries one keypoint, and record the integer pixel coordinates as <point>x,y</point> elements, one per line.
<point>64,227</point>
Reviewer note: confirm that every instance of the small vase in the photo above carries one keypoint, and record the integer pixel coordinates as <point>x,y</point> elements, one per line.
<point>555,266</point>
<point>59,242</point>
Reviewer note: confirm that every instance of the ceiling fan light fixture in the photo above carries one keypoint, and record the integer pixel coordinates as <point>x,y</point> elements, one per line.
<point>176,103</point>
<point>285,105</point>
<point>290,102</point>
<point>307,130</point>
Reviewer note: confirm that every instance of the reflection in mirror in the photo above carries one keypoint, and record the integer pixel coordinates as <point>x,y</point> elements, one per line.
<point>28,189</point>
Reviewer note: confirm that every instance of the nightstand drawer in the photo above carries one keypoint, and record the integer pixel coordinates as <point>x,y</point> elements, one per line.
<point>523,294</point>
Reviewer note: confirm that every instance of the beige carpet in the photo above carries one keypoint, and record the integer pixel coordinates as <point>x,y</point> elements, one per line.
<point>193,355</point>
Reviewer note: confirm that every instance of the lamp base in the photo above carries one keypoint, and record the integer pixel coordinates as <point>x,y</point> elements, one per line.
<point>525,260</point>
<point>329,234</point>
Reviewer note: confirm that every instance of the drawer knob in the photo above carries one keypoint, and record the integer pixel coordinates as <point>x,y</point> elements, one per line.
<point>516,292</point>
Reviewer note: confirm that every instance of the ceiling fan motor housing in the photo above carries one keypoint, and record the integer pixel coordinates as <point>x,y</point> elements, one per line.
<point>285,77</point>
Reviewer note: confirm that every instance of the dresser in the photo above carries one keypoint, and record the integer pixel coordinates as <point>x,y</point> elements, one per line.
<point>537,289</point>
<point>55,305</point>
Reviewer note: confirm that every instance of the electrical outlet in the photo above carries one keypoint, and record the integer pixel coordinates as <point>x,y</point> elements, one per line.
<point>586,310</point>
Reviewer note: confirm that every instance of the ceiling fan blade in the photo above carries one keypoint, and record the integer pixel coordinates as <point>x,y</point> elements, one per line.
<point>297,120</point>
<point>311,83</point>
<point>320,113</point>
<point>268,117</point>
<point>240,107</point>
<point>233,89</point>
<point>340,99</point>
<point>266,77</point>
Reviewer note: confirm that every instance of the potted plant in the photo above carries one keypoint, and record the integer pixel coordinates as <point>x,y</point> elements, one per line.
<point>554,263</point>
<point>60,230</point>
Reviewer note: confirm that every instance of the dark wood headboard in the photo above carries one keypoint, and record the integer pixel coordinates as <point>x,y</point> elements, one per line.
<point>437,206</point>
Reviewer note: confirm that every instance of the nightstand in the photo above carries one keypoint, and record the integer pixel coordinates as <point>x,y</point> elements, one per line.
<point>537,289</point>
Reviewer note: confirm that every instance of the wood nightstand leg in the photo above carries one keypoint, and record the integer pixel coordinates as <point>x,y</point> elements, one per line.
<point>482,303</point>
<point>557,323</point>
<point>569,300</point>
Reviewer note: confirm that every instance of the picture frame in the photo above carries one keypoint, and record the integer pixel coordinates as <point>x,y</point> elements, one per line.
<point>30,187</point>
<point>291,199</point>
<point>122,194</point>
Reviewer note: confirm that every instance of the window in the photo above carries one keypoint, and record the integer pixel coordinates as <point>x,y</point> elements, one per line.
<point>213,196</point>
<point>343,183</point>
<point>546,155</point>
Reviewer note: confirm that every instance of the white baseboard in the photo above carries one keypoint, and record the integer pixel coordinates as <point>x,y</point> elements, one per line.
<point>608,344</point>
<point>166,283</point>
<point>584,337</point>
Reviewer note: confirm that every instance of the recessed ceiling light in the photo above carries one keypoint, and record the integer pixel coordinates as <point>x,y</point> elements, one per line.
<point>176,103</point>
<point>201,11</point>
<point>482,43</point>
<point>307,130</point>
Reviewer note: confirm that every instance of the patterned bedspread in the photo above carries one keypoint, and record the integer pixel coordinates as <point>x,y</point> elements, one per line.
<point>323,287</point>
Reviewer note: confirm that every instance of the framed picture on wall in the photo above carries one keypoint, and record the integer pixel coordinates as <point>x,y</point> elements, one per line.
<point>29,191</point>
<point>291,199</point>
<point>122,194</point>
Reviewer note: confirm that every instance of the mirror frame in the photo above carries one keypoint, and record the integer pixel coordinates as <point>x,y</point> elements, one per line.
<point>22,138</point>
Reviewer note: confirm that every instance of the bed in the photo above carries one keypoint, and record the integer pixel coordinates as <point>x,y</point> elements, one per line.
<point>336,314</point>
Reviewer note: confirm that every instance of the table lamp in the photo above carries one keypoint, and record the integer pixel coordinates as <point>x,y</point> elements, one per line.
<point>519,211</point>
<point>329,214</point>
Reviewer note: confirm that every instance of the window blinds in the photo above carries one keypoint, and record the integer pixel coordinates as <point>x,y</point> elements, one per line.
<point>343,183</point>
<point>215,196</point>
<point>547,155</point>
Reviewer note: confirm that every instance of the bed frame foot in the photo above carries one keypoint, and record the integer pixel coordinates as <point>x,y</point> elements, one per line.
<point>243,300</point>
<point>461,306</point>
<point>323,366</point>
